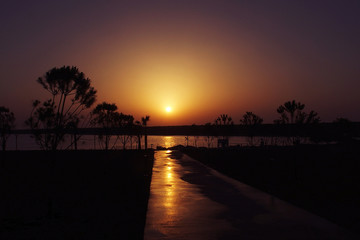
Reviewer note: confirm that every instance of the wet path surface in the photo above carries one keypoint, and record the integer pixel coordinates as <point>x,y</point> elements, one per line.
<point>191,201</point>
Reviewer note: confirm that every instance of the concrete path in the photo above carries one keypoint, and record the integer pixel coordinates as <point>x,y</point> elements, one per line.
<point>191,201</point>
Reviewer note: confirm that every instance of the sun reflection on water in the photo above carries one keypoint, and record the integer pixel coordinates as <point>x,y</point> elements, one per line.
<point>168,142</point>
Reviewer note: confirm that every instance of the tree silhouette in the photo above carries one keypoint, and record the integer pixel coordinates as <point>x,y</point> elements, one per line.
<point>73,126</point>
<point>105,116</point>
<point>144,121</point>
<point>125,122</point>
<point>342,130</point>
<point>71,93</point>
<point>292,112</point>
<point>187,140</point>
<point>341,120</point>
<point>209,130</point>
<point>251,120</point>
<point>138,128</point>
<point>7,122</point>
<point>289,108</point>
<point>224,122</point>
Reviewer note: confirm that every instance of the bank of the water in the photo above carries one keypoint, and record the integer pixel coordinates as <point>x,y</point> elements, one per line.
<point>323,179</point>
<point>92,142</point>
<point>74,194</point>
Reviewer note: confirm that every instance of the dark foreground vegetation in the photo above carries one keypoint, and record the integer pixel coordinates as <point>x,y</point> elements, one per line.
<point>324,179</point>
<point>74,194</point>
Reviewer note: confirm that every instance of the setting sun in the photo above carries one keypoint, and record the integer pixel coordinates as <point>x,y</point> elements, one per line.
<point>168,109</point>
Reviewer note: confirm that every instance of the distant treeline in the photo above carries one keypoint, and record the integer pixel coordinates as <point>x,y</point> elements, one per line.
<point>322,130</point>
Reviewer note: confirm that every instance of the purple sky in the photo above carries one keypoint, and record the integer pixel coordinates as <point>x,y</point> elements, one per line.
<point>203,58</point>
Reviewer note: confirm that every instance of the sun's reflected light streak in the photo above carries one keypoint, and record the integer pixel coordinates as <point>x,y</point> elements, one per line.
<point>168,143</point>
<point>170,182</point>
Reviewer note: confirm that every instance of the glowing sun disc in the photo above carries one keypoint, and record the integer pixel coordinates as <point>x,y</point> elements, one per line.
<point>168,109</point>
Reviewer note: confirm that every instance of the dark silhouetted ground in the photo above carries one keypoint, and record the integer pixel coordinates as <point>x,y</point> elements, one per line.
<point>324,179</point>
<point>74,194</point>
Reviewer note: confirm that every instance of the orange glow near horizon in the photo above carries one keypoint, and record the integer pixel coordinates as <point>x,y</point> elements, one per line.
<point>202,59</point>
<point>174,90</point>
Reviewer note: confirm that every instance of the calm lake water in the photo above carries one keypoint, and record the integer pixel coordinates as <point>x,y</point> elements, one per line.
<point>26,142</point>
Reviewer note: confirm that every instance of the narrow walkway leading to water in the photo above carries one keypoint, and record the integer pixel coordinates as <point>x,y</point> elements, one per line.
<point>191,201</point>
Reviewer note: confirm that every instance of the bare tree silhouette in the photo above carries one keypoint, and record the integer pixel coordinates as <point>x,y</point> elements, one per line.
<point>71,93</point>
<point>7,122</point>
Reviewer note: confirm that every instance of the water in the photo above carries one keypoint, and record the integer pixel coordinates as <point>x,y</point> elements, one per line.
<point>26,142</point>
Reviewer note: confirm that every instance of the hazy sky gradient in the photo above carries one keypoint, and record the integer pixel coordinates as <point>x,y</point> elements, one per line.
<point>203,58</point>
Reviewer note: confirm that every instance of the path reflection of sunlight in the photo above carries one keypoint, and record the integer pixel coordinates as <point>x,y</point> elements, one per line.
<point>171,185</point>
<point>173,211</point>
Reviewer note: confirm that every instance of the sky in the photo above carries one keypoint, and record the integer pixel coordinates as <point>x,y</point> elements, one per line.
<point>201,58</point>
